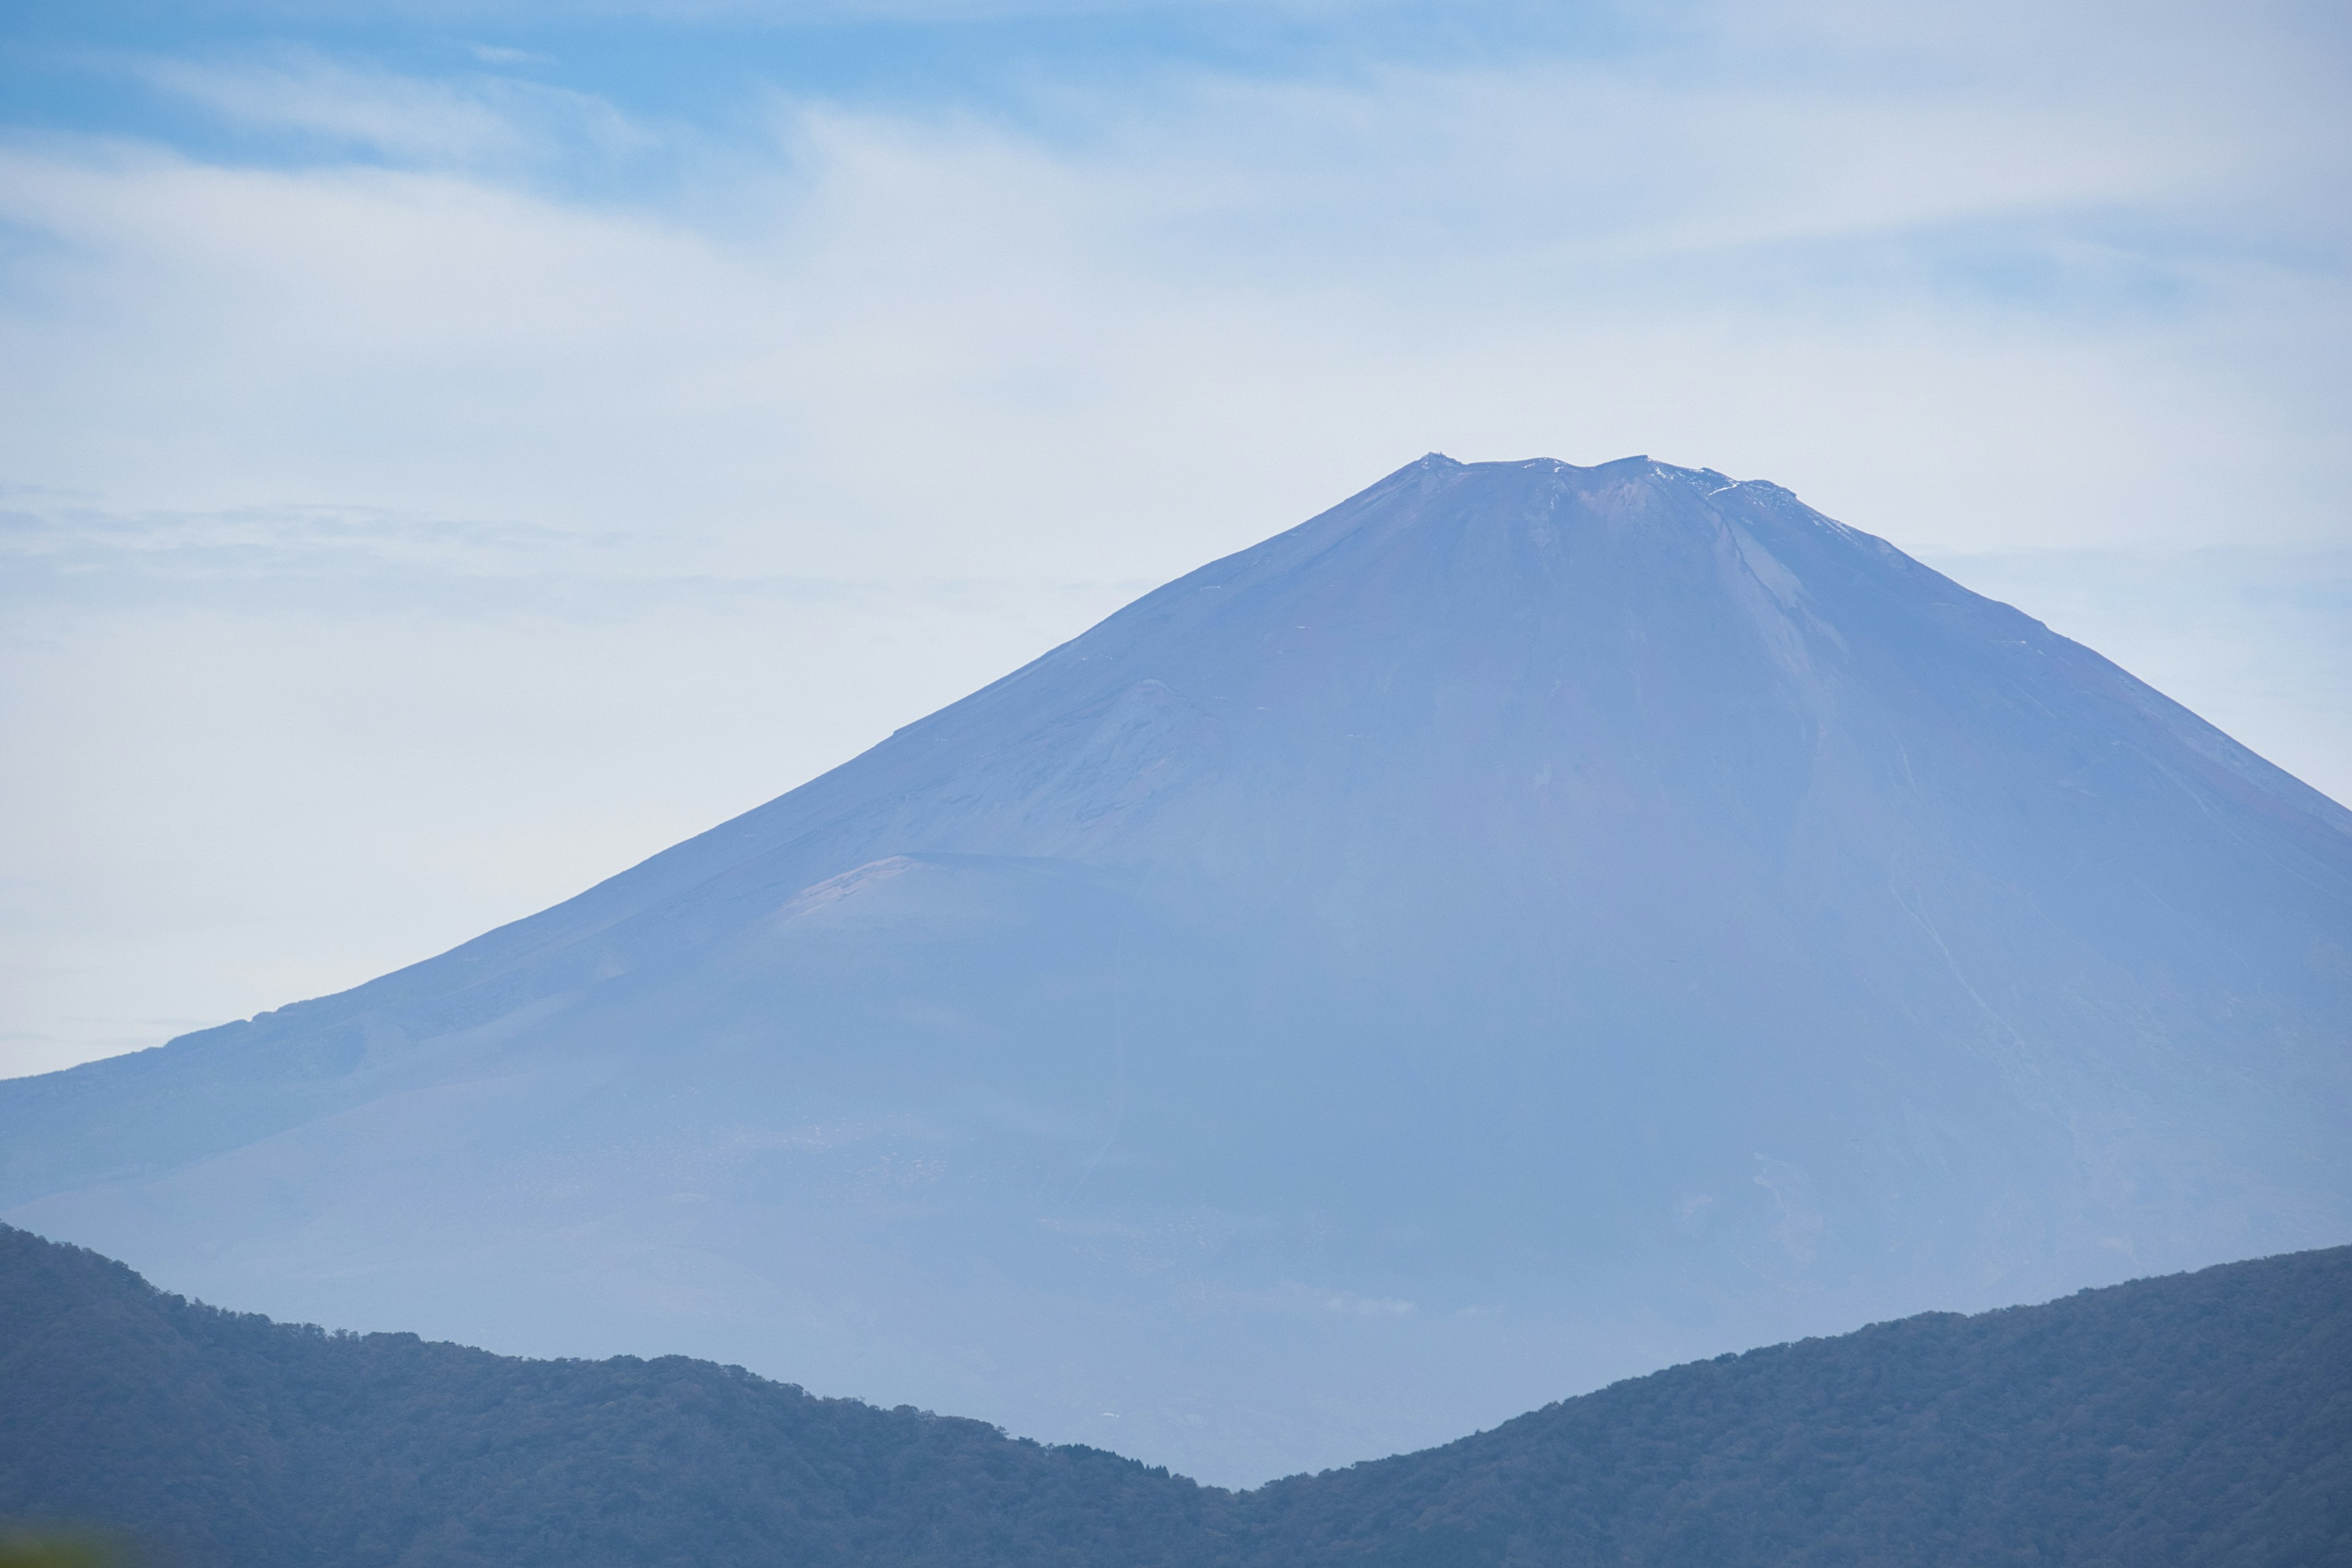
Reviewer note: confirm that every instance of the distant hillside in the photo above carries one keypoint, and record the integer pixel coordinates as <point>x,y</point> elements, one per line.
<point>2204,1418</point>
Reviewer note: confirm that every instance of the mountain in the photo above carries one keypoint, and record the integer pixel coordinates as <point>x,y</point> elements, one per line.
<point>2200,1419</point>
<point>1528,925</point>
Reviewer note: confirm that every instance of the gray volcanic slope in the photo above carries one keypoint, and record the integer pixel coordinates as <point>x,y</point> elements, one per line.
<point>1527,925</point>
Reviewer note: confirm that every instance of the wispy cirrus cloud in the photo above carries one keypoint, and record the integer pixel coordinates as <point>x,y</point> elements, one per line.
<point>480,118</point>
<point>1308,276</point>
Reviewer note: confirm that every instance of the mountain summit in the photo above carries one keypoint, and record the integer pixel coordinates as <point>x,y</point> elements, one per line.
<point>1525,926</point>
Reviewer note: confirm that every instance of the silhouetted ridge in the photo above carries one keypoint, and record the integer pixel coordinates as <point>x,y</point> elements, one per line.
<point>2201,1419</point>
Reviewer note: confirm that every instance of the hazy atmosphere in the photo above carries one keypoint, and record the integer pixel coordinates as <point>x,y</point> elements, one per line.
<point>451,451</point>
<point>1152,783</point>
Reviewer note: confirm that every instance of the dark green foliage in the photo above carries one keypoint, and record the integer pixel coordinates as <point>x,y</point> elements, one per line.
<point>2205,1418</point>
<point>219,1438</point>
<point>51,1551</point>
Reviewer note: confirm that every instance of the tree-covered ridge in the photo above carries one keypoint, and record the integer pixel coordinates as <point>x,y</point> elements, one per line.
<point>221,1438</point>
<point>2204,1418</point>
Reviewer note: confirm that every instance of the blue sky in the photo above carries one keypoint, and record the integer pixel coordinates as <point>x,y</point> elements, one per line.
<point>448,451</point>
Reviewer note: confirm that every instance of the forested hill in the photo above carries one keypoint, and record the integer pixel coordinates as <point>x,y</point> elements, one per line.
<point>2203,1418</point>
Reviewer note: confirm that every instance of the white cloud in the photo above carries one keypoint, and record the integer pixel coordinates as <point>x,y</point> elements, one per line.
<point>481,120</point>
<point>391,115</point>
<point>1912,306</point>
<point>501,54</point>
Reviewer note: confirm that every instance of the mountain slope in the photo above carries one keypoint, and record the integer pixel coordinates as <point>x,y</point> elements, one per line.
<point>2191,1420</point>
<point>2197,1418</point>
<point>1527,925</point>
